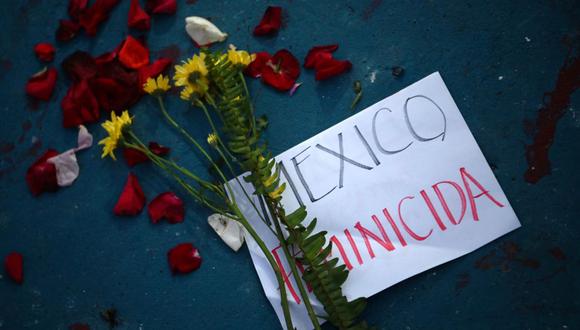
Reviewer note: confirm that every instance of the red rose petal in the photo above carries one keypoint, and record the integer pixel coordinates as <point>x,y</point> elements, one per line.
<point>161,6</point>
<point>76,7</point>
<point>132,199</point>
<point>183,258</point>
<point>44,51</point>
<point>270,23</point>
<point>41,176</point>
<point>67,30</point>
<point>328,67</point>
<point>153,70</point>
<point>158,149</point>
<point>138,18</point>
<point>115,95</point>
<point>312,56</point>
<point>13,263</point>
<point>41,85</point>
<point>80,66</point>
<point>166,206</point>
<point>287,70</point>
<point>92,17</point>
<point>134,156</point>
<point>255,68</point>
<point>79,106</point>
<point>133,54</point>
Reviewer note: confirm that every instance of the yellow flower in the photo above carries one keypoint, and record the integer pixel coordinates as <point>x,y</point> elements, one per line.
<point>240,57</point>
<point>212,139</point>
<point>114,128</point>
<point>157,86</point>
<point>193,74</point>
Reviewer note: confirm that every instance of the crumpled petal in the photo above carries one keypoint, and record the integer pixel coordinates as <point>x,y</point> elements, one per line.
<point>41,85</point>
<point>161,6</point>
<point>328,67</point>
<point>314,52</point>
<point>14,265</point>
<point>41,176</point>
<point>285,76</point>
<point>132,199</point>
<point>79,106</point>
<point>183,258</point>
<point>138,18</point>
<point>91,17</point>
<point>270,23</point>
<point>67,167</point>
<point>229,230</point>
<point>44,51</point>
<point>166,206</point>
<point>133,54</point>
<point>255,68</point>
<point>202,31</point>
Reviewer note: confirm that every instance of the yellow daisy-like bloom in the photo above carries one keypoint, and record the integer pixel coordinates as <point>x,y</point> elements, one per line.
<point>240,57</point>
<point>193,74</point>
<point>212,139</point>
<point>187,93</point>
<point>114,128</point>
<point>157,86</point>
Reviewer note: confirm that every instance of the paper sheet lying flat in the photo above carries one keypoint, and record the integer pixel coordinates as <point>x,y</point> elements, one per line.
<point>401,187</point>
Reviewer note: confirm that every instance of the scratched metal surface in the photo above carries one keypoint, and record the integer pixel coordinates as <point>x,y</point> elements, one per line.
<point>498,59</point>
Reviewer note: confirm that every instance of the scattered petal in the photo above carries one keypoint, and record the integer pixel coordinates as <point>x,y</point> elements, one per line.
<point>44,51</point>
<point>270,23</point>
<point>132,199</point>
<point>314,52</point>
<point>67,30</point>
<point>294,88</point>
<point>328,67</point>
<point>138,18</point>
<point>184,258</point>
<point>281,71</point>
<point>79,66</point>
<point>41,85</point>
<point>76,7</point>
<point>13,263</point>
<point>79,106</point>
<point>134,156</point>
<point>67,167</point>
<point>90,18</point>
<point>161,6</point>
<point>229,230</point>
<point>202,31</point>
<point>84,140</point>
<point>166,206</point>
<point>256,67</point>
<point>133,54</point>
<point>158,149</point>
<point>41,176</point>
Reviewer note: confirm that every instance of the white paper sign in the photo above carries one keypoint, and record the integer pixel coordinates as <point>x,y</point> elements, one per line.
<point>401,187</point>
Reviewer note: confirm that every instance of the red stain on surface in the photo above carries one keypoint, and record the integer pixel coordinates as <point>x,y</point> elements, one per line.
<point>462,281</point>
<point>555,106</point>
<point>504,261</point>
<point>370,9</point>
<point>6,147</point>
<point>557,253</point>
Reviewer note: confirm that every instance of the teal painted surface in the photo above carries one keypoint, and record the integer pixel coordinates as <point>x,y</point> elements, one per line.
<point>497,58</point>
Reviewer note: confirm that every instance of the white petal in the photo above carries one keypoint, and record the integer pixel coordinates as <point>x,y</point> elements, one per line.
<point>85,139</point>
<point>67,167</point>
<point>229,230</point>
<point>202,31</point>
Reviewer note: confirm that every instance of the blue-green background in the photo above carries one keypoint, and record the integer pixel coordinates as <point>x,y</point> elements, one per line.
<point>80,259</point>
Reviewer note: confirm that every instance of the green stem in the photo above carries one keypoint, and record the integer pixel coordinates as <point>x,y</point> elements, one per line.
<point>243,79</point>
<point>292,263</point>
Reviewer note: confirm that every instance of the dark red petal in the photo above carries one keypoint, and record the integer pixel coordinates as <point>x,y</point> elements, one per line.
<point>41,176</point>
<point>270,23</point>
<point>67,30</point>
<point>288,72</point>
<point>132,199</point>
<point>312,56</point>
<point>183,258</point>
<point>44,51</point>
<point>153,70</point>
<point>14,267</point>
<point>41,85</point>
<point>134,156</point>
<point>328,67</point>
<point>255,68</point>
<point>133,54</point>
<point>115,95</point>
<point>76,7</point>
<point>158,149</point>
<point>79,106</point>
<point>92,17</point>
<point>166,206</point>
<point>161,6</point>
<point>138,18</point>
<point>79,66</point>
